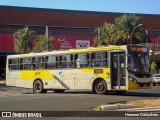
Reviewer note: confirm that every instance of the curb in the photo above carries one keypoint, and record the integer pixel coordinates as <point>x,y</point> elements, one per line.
<point>155,108</point>
<point>116,106</point>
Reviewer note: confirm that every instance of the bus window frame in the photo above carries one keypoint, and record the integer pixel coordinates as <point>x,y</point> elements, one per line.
<point>77,60</point>
<point>47,62</point>
<point>10,65</point>
<point>22,63</point>
<point>103,60</point>
<point>61,61</point>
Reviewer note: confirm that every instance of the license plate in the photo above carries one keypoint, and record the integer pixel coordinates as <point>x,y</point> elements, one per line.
<point>145,85</point>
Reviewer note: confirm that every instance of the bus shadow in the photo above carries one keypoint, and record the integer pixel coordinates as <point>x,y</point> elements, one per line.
<point>128,93</point>
<point>66,92</point>
<point>142,94</point>
<point>134,94</point>
<point>4,88</point>
<point>78,92</point>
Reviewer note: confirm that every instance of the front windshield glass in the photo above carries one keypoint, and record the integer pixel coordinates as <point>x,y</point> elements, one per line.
<point>138,62</point>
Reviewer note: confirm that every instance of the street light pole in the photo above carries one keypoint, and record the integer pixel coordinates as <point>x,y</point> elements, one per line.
<point>47,37</point>
<point>99,32</point>
<point>134,29</point>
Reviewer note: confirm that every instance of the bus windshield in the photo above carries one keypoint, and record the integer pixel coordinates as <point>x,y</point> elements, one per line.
<point>138,62</point>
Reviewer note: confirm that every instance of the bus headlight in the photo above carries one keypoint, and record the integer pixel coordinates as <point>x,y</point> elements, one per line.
<point>132,79</point>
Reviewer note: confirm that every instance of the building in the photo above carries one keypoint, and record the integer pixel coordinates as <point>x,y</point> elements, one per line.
<point>70,28</point>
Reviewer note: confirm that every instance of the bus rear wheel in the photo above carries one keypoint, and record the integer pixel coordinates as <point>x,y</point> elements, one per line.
<point>38,87</point>
<point>100,87</point>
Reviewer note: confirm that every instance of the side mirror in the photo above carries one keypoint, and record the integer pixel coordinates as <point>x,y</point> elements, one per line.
<point>129,67</point>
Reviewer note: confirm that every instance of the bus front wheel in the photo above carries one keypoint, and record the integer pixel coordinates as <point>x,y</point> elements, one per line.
<point>38,87</point>
<point>100,87</point>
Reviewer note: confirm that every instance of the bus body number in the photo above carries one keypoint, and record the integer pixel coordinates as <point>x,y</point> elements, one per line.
<point>37,73</point>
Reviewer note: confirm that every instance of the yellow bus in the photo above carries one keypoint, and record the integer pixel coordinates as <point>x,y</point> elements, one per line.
<point>100,69</point>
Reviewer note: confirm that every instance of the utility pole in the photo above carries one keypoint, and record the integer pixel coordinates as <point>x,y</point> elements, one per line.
<point>47,37</point>
<point>134,29</point>
<point>99,32</point>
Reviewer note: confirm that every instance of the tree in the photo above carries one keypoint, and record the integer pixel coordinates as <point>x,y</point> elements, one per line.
<point>106,34</point>
<point>42,43</point>
<point>22,41</point>
<point>51,43</point>
<point>125,25</point>
<point>153,67</point>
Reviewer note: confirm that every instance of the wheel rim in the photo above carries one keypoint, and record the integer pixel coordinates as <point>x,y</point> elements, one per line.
<point>100,87</point>
<point>38,87</point>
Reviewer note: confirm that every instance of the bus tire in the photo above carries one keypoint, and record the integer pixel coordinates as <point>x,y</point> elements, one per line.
<point>59,91</point>
<point>100,87</point>
<point>38,87</point>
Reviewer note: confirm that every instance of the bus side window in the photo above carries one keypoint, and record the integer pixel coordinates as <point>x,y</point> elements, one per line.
<point>51,62</point>
<point>93,62</point>
<point>78,63</point>
<point>66,61</point>
<point>21,63</point>
<point>26,63</point>
<point>15,64</point>
<point>46,62</point>
<point>60,62</point>
<point>39,62</point>
<point>10,64</point>
<point>99,59</point>
<point>72,61</point>
<point>82,60</point>
<point>33,63</point>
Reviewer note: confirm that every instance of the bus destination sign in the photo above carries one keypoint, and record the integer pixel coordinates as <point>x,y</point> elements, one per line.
<point>138,49</point>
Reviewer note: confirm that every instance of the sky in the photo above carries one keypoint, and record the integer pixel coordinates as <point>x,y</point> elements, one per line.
<point>118,6</point>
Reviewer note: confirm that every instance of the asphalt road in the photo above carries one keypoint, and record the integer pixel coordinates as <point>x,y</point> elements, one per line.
<point>20,99</point>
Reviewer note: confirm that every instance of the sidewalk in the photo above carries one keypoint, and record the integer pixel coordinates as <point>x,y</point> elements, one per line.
<point>138,105</point>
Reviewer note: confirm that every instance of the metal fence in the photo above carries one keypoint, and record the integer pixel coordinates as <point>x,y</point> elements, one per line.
<point>155,47</point>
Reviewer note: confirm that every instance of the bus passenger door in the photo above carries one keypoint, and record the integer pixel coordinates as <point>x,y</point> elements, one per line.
<point>118,71</point>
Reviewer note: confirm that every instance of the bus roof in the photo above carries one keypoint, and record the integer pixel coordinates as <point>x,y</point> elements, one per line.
<point>90,49</point>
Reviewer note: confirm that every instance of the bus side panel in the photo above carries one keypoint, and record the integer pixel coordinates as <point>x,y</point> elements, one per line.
<point>12,78</point>
<point>55,79</point>
<point>83,80</point>
<point>21,82</point>
<point>51,78</point>
<point>70,78</point>
<point>85,77</point>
